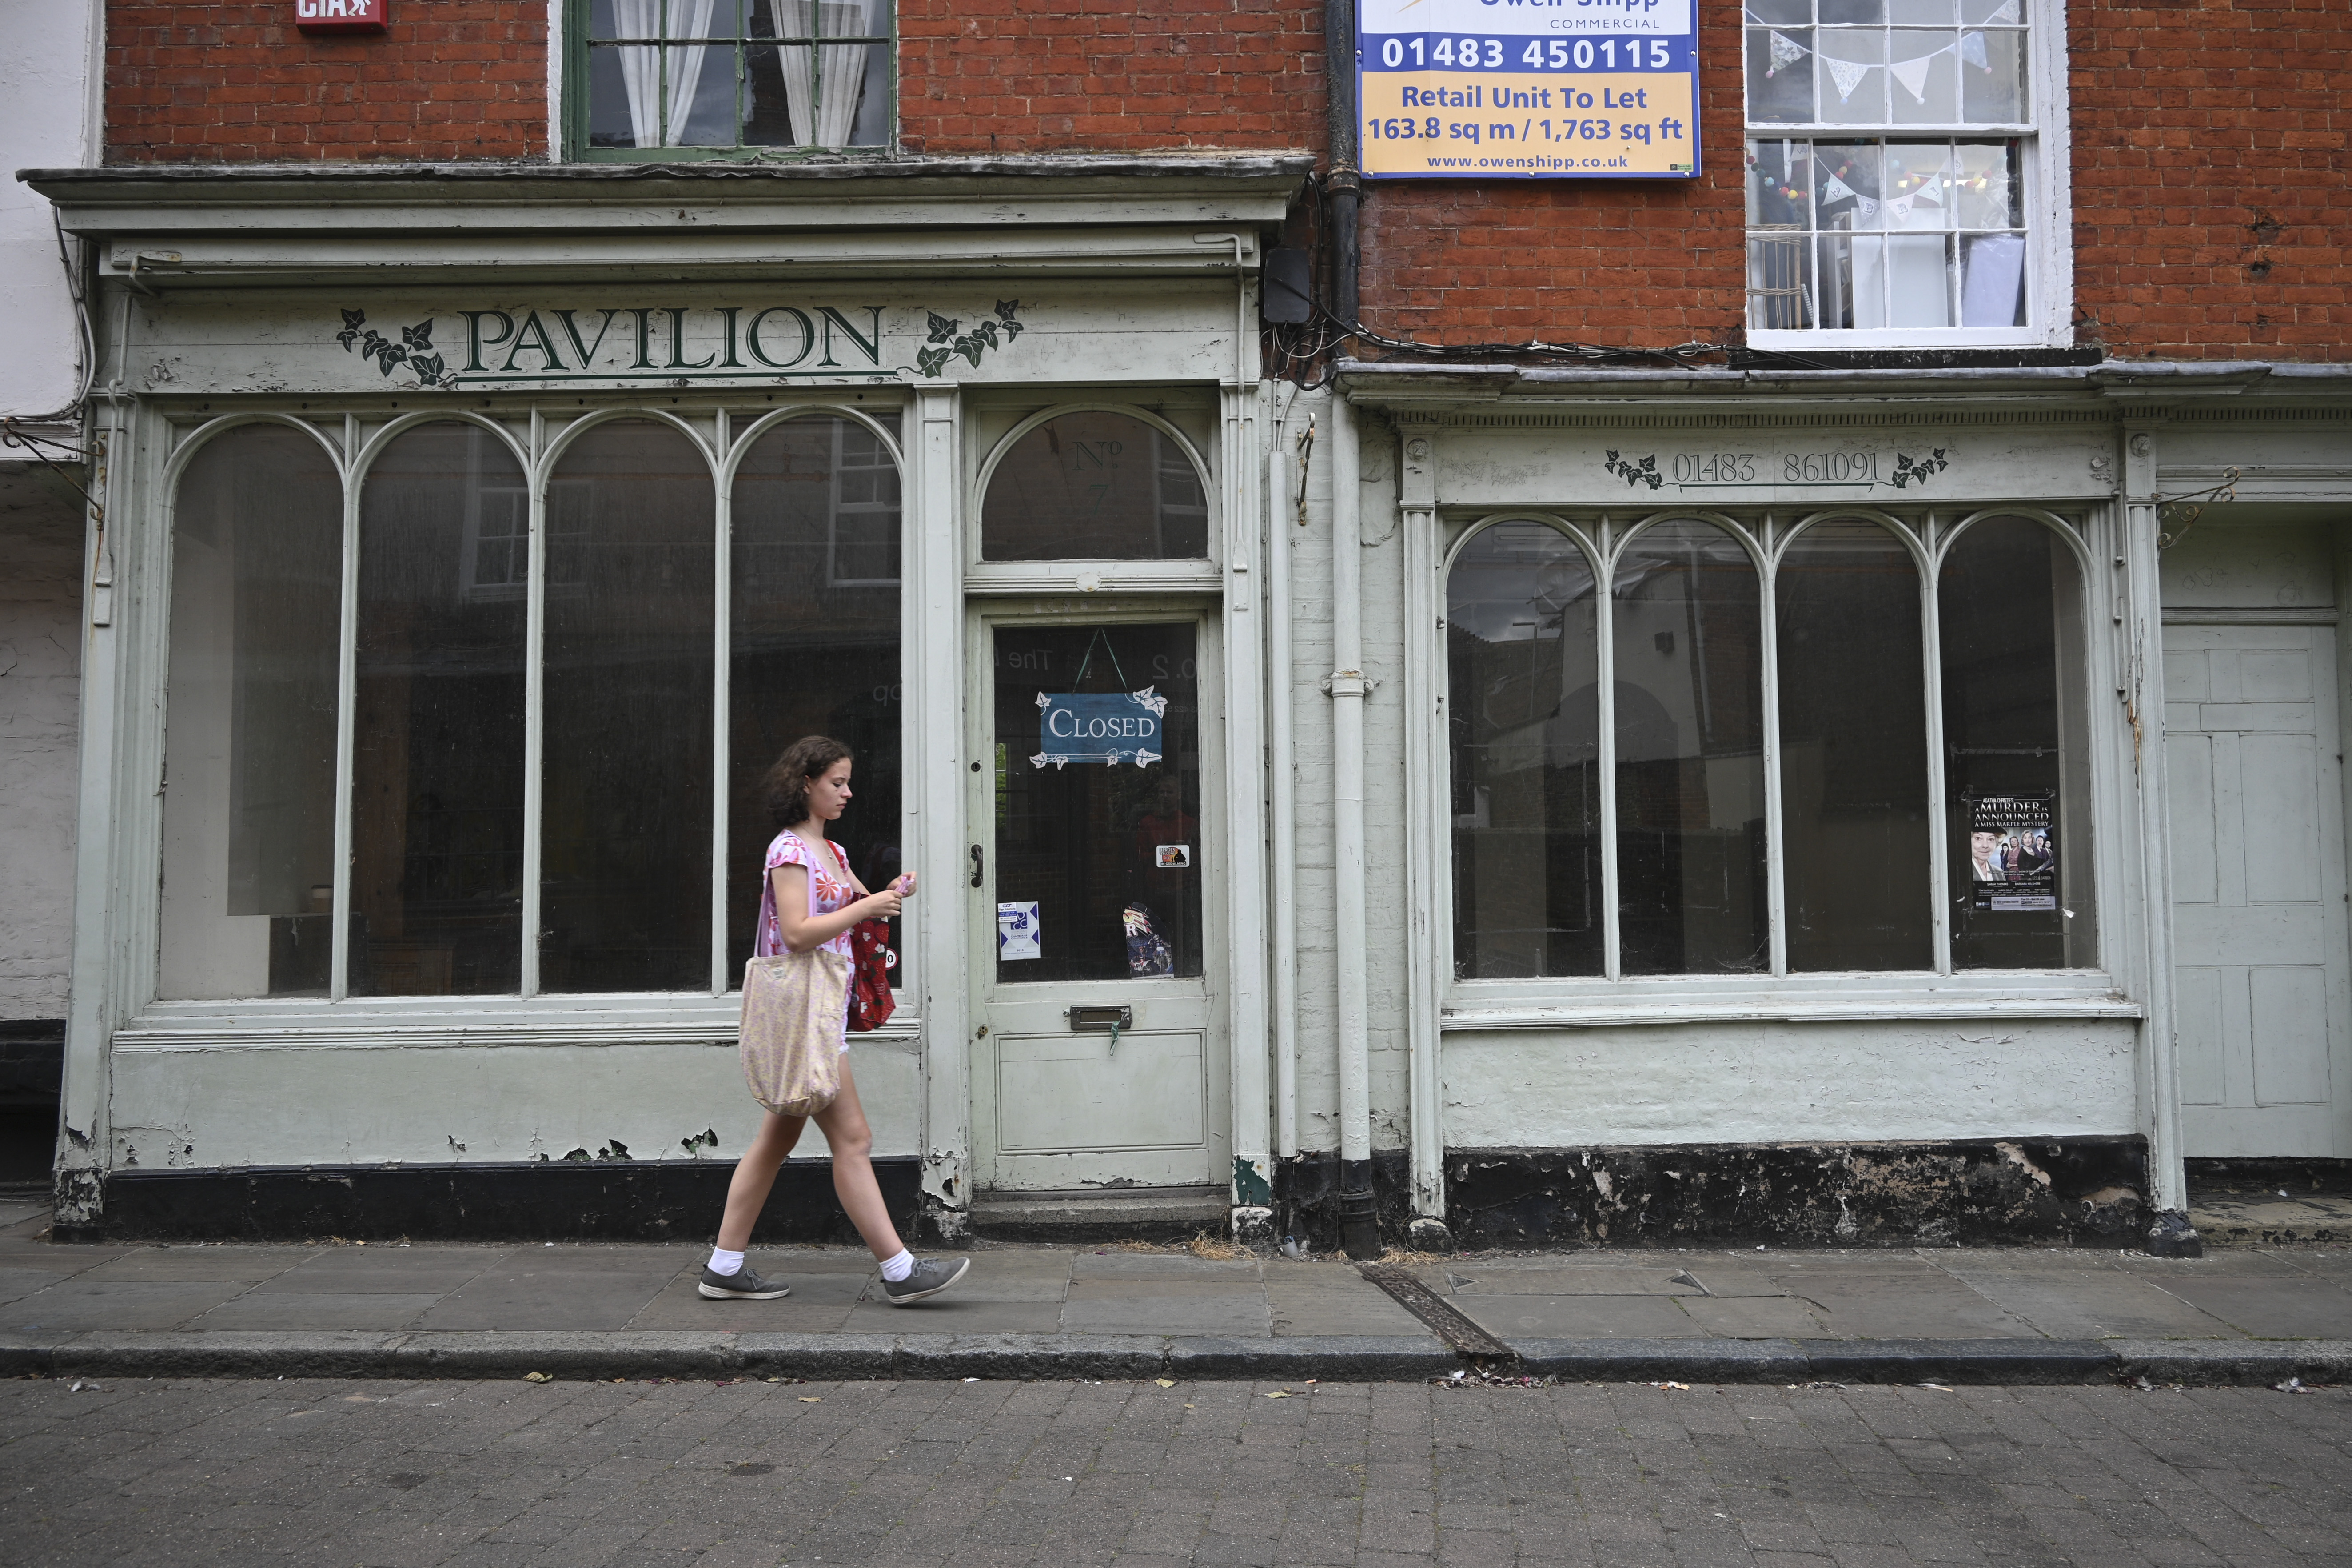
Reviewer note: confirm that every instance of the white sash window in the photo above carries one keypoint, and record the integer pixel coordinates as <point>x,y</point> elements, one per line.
<point>1905,173</point>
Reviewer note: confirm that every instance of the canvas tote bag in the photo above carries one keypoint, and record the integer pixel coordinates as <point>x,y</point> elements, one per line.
<point>793,1004</point>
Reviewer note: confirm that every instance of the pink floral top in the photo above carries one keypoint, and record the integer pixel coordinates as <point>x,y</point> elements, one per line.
<point>827,892</point>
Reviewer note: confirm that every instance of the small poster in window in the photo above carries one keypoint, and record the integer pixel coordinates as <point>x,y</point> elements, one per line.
<point>1147,952</point>
<point>1017,931</point>
<point>2013,852</point>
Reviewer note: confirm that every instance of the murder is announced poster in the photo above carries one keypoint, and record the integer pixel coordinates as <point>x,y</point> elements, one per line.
<point>2013,852</point>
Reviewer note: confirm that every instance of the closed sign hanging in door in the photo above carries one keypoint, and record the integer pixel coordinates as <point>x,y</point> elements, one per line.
<point>1110,727</point>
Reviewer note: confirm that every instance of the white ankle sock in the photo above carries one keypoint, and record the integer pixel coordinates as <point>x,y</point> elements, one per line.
<point>897,1269</point>
<point>725,1262</point>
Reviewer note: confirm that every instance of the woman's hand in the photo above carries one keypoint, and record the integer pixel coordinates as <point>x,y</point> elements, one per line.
<point>881,906</point>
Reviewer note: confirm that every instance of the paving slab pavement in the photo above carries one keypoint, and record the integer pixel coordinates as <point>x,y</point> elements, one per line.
<point>2246,1314</point>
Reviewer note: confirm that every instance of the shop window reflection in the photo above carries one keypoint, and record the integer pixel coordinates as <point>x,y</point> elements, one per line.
<point>1853,745</point>
<point>249,733</point>
<point>625,863</point>
<point>1524,715</point>
<point>1686,635</point>
<point>1094,485</point>
<point>814,636</point>
<point>2009,607</point>
<point>438,764</point>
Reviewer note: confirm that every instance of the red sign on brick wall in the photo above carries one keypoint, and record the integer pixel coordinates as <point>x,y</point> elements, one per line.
<point>341,15</point>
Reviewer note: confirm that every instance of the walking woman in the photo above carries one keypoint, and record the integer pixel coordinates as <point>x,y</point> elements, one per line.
<point>811,898</point>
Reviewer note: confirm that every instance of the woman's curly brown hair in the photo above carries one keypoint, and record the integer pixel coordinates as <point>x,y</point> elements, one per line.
<point>785,789</point>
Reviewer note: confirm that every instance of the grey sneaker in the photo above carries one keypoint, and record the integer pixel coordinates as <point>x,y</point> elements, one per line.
<point>931,1276</point>
<point>740,1286</point>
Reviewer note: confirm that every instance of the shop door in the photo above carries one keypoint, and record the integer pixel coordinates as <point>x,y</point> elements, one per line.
<point>2259,930</point>
<point>1100,1060</point>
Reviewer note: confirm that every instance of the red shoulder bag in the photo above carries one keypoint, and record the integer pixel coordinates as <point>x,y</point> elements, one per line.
<point>871,961</point>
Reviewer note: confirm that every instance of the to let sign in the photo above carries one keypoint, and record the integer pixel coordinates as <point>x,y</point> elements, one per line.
<point>1487,90</point>
<point>341,15</point>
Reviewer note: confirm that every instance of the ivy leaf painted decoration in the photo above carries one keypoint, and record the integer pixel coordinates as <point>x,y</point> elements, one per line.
<point>430,368</point>
<point>383,349</point>
<point>1644,472</point>
<point>946,344</point>
<point>1908,469</point>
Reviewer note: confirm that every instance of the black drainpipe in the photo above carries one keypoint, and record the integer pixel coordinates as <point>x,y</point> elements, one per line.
<point>1343,185</point>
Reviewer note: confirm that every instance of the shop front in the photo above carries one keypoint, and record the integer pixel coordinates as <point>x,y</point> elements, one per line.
<point>1497,804</point>
<point>1807,784</point>
<point>474,543</point>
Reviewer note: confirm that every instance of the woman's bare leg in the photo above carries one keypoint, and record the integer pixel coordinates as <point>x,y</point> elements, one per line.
<point>843,1125</point>
<point>755,1173</point>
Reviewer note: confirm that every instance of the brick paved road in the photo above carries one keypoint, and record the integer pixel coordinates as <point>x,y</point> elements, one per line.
<point>390,1475</point>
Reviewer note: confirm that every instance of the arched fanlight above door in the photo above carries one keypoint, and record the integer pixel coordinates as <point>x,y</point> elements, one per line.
<point>1098,485</point>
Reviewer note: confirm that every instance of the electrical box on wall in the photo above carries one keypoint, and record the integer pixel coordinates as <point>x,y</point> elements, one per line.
<point>341,15</point>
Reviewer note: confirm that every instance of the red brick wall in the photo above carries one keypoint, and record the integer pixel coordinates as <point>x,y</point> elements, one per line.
<point>2213,212</point>
<point>1058,76</point>
<point>237,83</point>
<point>1622,263</point>
<point>2212,208</point>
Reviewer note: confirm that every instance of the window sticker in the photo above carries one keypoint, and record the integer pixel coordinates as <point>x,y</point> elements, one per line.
<point>2012,855</point>
<point>1171,856</point>
<point>1017,933</point>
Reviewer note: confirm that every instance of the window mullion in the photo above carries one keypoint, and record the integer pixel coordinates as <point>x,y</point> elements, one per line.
<point>722,576</point>
<point>1938,829</point>
<point>1775,866</point>
<point>1605,664</point>
<point>339,957</point>
<point>534,699</point>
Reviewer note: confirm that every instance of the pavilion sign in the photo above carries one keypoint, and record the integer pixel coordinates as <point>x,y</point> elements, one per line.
<point>672,344</point>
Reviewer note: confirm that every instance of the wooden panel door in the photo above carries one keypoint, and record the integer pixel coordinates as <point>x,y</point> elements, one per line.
<point>2258,882</point>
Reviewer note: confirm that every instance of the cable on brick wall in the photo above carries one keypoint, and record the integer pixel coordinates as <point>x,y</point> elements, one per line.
<point>1306,354</point>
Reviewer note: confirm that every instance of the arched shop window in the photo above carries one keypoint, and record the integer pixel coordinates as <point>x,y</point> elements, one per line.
<point>1522,682</point>
<point>437,764</point>
<point>1853,750</point>
<point>580,800</point>
<point>2009,607</point>
<point>249,737</point>
<point>1094,485</point>
<point>813,639</point>
<point>1688,632</point>
<point>625,779</point>
<point>1700,793</point>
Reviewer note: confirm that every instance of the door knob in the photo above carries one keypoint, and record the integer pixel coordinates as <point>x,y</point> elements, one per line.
<point>976,866</point>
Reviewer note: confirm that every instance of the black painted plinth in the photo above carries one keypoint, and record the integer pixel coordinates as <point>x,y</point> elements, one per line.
<point>562,1200</point>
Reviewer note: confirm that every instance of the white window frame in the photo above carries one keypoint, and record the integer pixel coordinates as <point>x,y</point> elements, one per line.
<point>2045,171</point>
<point>1776,992</point>
<point>539,436</point>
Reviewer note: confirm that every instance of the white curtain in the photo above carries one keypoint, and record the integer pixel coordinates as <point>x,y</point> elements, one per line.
<point>822,110</point>
<point>641,69</point>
